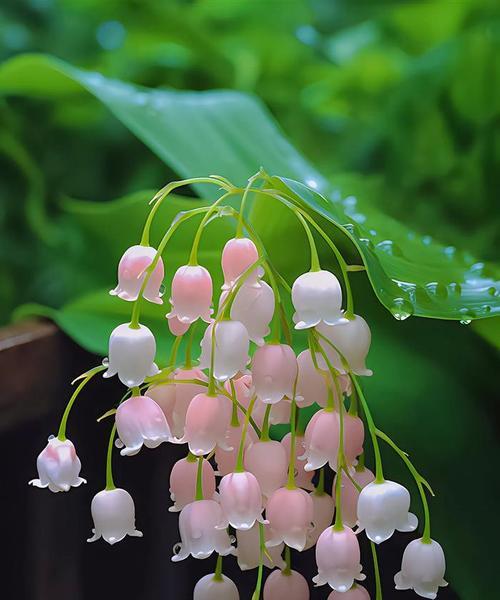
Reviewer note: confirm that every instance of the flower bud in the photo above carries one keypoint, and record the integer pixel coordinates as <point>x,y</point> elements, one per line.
<point>239,254</point>
<point>292,586</point>
<point>249,549</point>
<point>350,494</point>
<point>207,420</point>
<point>58,466</point>
<point>191,294</point>
<point>139,420</point>
<point>209,588</point>
<point>422,569</point>
<point>183,482</point>
<point>383,508</point>
<point>231,349</point>
<point>274,369</point>
<point>269,463</point>
<point>131,354</point>
<point>132,271</point>
<point>113,512</point>
<point>290,514</point>
<point>337,557</point>
<point>241,499</point>
<point>317,298</point>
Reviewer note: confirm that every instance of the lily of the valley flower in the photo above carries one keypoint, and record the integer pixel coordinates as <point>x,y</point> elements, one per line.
<point>207,420</point>
<point>184,393</point>
<point>317,298</point>
<point>199,527</point>
<point>191,294</point>
<point>290,514</point>
<point>139,420</point>
<point>241,500</point>
<point>253,305</point>
<point>58,466</point>
<point>177,327</point>
<point>337,557</point>
<point>113,512</point>
<point>131,354</point>
<point>274,369</point>
<point>183,482</point>
<point>211,588</point>
<point>226,458</point>
<point>231,349</point>
<point>323,509</point>
<point>383,508</point>
<point>248,550</point>
<point>239,254</point>
<point>292,586</point>
<point>422,569</point>
<point>268,461</point>
<point>132,271</point>
<point>164,395</point>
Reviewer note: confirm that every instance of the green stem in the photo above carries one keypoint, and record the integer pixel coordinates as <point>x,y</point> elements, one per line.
<point>258,586</point>
<point>320,488</point>
<point>218,569</point>
<point>175,349</point>
<point>241,450</point>
<point>288,561</point>
<point>291,467</point>
<point>378,583</point>
<point>264,436</point>
<point>61,434</point>
<point>110,484</point>
<point>338,525</point>
<point>315,266</point>
<point>199,479</point>
<point>193,257</point>
<point>234,415</point>
<point>239,228</point>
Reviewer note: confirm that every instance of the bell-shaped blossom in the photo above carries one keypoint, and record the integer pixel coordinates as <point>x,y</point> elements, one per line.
<point>321,440</point>
<point>139,420</point>
<point>211,588</point>
<point>323,509</point>
<point>231,349</point>
<point>303,478</point>
<point>184,393</point>
<point>290,514</point>
<point>311,382</point>
<point>242,388</point>
<point>131,354</point>
<point>177,327</point>
<point>191,294</point>
<point>248,550</point>
<point>113,512</point>
<point>241,499</point>
<point>132,271</point>
<point>383,508</point>
<point>357,592</point>
<point>199,527</point>
<point>253,305</point>
<point>317,298</point>
<point>164,395</point>
<point>268,461</point>
<point>350,494</point>
<point>207,420</point>
<point>58,466</point>
<point>237,256</point>
<point>274,369</point>
<point>338,559</point>
<point>292,586</point>
<point>183,482</point>
<point>352,339</point>
<point>226,458</point>
<point>422,569</point>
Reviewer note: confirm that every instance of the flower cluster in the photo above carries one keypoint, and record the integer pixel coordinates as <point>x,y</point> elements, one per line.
<point>238,491</point>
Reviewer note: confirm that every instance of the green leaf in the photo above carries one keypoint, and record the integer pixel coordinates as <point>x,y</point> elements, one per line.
<point>232,134</point>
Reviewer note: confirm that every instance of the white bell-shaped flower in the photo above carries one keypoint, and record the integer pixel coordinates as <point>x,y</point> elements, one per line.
<point>317,298</point>
<point>231,349</point>
<point>274,370</point>
<point>253,305</point>
<point>113,512</point>
<point>352,339</point>
<point>132,271</point>
<point>131,354</point>
<point>337,557</point>
<point>58,466</point>
<point>248,550</point>
<point>199,526</point>
<point>383,508</point>
<point>139,420</point>
<point>241,500</point>
<point>422,569</point>
<point>211,588</point>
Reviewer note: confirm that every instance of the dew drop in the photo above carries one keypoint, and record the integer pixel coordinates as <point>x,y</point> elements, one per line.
<point>492,291</point>
<point>401,309</point>
<point>455,288</point>
<point>468,315</point>
<point>368,243</point>
<point>349,227</point>
<point>118,443</point>
<point>389,247</point>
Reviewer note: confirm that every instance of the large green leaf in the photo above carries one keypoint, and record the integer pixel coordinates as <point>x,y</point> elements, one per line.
<point>232,134</point>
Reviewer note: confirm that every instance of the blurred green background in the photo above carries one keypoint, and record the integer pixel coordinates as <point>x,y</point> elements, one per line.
<point>398,102</point>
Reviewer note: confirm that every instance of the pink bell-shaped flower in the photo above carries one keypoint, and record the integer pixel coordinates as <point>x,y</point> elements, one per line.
<point>242,387</point>
<point>207,420</point>
<point>177,327</point>
<point>139,420</point>
<point>113,512</point>
<point>337,557</point>
<point>303,478</point>
<point>321,440</point>
<point>292,586</point>
<point>290,514</point>
<point>268,461</point>
<point>211,588</point>
<point>274,369</point>
<point>357,592</point>
<point>58,466</point>
<point>191,294</point>
<point>352,339</point>
<point>231,349</point>
<point>253,306</point>
<point>164,395</point>
<point>131,354</point>
<point>317,298</point>
<point>132,271</point>
<point>184,393</point>
<point>350,494</point>
<point>199,526</point>
<point>239,254</point>
<point>183,482</point>
<point>311,382</point>
<point>422,569</point>
<point>383,508</point>
<point>248,550</point>
<point>241,499</point>
<point>226,459</point>
<point>323,509</point>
